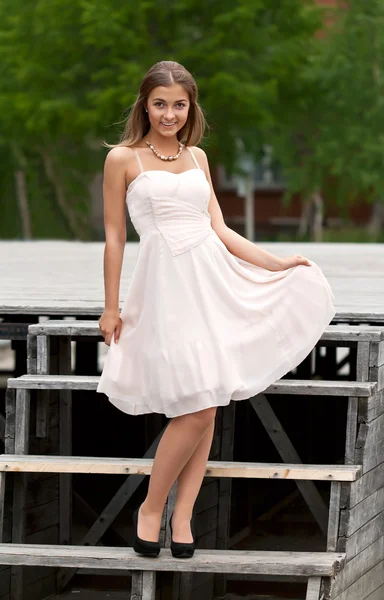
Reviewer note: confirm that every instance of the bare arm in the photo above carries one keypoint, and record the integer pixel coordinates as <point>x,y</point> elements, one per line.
<point>237,244</point>
<point>114,190</point>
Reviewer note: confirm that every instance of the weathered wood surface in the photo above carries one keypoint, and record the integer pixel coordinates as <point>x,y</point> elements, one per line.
<point>313,589</point>
<point>142,466</point>
<point>334,517</point>
<point>304,564</point>
<point>283,386</point>
<point>28,272</point>
<point>143,585</point>
<point>358,566</point>
<point>340,333</point>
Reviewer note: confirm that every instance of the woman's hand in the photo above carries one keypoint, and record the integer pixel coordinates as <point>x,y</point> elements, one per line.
<point>294,261</point>
<point>109,323</point>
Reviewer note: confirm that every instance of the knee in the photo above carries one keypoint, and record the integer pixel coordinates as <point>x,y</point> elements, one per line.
<point>202,419</point>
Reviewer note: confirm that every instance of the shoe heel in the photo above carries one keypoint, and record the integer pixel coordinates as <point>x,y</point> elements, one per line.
<point>143,547</point>
<point>179,549</point>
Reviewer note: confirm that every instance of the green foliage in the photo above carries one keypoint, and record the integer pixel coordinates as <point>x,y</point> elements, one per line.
<point>70,71</point>
<point>333,138</point>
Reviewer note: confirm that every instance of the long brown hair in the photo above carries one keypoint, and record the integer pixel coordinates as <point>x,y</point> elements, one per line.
<point>164,73</point>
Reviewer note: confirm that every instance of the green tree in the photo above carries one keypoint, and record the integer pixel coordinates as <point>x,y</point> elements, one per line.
<point>72,69</point>
<point>331,137</point>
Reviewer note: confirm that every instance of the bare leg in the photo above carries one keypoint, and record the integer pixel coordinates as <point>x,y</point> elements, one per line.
<point>176,447</point>
<point>188,486</point>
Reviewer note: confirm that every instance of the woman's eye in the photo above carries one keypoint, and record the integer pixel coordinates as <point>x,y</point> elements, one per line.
<point>180,105</point>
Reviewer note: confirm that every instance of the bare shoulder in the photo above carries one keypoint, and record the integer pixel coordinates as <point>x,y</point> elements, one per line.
<point>119,156</point>
<point>200,154</point>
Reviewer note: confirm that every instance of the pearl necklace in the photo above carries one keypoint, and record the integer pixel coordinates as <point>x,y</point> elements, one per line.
<point>175,157</point>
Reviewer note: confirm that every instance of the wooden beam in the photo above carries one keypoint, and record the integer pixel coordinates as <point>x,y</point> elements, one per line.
<point>313,589</point>
<point>301,564</point>
<point>306,387</point>
<point>143,466</point>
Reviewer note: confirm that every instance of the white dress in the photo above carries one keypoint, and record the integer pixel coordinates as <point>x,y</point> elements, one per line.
<point>200,325</point>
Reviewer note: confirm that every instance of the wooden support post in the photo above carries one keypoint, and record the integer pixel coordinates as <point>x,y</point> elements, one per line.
<point>334,516</point>
<point>351,432</point>
<point>225,489</point>
<point>143,585</point>
<point>313,589</point>
<point>2,502</point>
<point>362,364</point>
<point>31,354</point>
<point>288,453</point>
<point>10,415</point>
<point>20,486</point>
<point>65,442</point>
<point>43,367</point>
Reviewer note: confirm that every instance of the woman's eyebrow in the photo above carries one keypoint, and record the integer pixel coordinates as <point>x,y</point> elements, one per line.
<point>162,100</point>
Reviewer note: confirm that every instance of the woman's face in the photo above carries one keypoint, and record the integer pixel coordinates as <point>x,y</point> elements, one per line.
<point>168,109</point>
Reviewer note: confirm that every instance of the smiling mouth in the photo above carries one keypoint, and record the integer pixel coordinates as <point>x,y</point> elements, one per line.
<point>168,124</point>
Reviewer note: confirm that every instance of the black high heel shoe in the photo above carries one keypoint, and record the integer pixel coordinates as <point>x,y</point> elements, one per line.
<point>143,547</point>
<point>180,549</point>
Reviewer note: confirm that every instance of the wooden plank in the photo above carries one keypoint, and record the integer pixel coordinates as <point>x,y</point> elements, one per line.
<point>351,431</point>
<point>65,443</point>
<point>22,418</point>
<point>358,566</point>
<point>287,452</point>
<point>376,374</point>
<point>362,366</point>
<point>367,584</point>
<point>365,536</point>
<point>360,514</point>
<point>377,594</point>
<point>303,564</point>
<point>372,408</point>
<point>31,354</point>
<point>72,328</point>
<point>313,588</point>
<point>376,356</point>
<point>2,503</point>
<point>353,333</point>
<point>283,386</point>
<point>149,585</point>
<point>43,355</point>
<point>143,466</point>
<point>367,484</point>
<point>373,455</point>
<point>10,416</point>
<point>77,327</point>
<point>334,517</point>
<point>22,421</point>
<point>2,428</point>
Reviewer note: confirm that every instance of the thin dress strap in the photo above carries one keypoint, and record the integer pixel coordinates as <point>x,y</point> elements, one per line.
<point>139,161</point>
<point>194,158</point>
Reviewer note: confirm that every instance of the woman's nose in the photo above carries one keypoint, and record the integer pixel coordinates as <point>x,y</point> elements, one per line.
<point>169,114</point>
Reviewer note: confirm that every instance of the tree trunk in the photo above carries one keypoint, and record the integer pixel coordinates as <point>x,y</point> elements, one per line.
<point>312,217</point>
<point>317,217</point>
<point>22,202</point>
<point>375,225</point>
<point>69,214</point>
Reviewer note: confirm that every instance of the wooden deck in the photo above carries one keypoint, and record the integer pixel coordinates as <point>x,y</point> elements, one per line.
<point>66,278</point>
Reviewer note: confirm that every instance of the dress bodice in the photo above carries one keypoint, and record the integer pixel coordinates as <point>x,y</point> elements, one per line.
<point>174,204</point>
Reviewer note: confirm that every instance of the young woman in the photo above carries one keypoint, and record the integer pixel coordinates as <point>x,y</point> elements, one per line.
<point>209,316</point>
